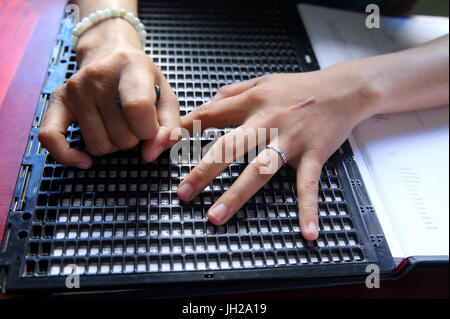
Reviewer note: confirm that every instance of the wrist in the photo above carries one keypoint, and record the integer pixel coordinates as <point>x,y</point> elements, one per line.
<point>359,89</point>
<point>106,37</point>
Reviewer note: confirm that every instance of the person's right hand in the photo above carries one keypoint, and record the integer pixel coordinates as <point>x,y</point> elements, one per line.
<point>111,63</point>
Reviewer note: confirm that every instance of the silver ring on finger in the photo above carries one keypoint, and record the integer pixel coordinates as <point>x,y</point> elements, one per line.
<point>280,152</point>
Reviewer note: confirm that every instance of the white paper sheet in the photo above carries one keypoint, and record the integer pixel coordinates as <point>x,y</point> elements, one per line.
<point>403,158</point>
<point>407,156</point>
<point>338,35</point>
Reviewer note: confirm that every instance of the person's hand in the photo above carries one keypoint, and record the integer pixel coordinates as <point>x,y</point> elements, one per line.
<point>313,112</point>
<point>112,64</point>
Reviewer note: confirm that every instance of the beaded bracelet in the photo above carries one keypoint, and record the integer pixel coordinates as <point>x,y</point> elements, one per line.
<point>101,15</point>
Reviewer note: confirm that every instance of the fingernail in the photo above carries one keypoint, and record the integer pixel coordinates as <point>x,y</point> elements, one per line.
<point>218,213</point>
<point>84,165</point>
<point>312,228</point>
<point>156,152</point>
<point>185,191</point>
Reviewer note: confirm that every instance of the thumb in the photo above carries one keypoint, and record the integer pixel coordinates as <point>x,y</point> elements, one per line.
<point>168,113</point>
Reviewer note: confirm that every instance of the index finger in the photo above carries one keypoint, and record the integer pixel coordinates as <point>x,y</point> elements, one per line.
<point>308,176</point>
<point>138,97</point>
<point>257,173</point>
<point>52,136</point>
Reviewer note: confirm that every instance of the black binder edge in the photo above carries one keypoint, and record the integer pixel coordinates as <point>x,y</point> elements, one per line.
<point>420,262</point>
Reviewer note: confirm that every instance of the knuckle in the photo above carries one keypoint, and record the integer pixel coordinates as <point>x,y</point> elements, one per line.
<point>310,185</point>
<point>225,90</point>
<point>129,55</point>
<point>137,107</point>
<point>45,135</point>
<point>58,93</point>
<point>261,115</point>
<point>123,55</point>
<point>74,85</point>
<point>265,78</point>
<point>126,143</point>
<point>201,173</point>
<point>203,112</point>
<point>234,197</point>
<point>256,167</point>
<point>94,72</point>
<point>99,149</point>
<point>263,168</point>
<point>308,208</point>
<point>316,153</point>
<point>257,95</point>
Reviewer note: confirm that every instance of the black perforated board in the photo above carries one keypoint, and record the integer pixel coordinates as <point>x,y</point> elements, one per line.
<point>121,221</point>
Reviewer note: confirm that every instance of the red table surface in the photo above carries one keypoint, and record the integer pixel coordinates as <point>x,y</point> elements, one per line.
<point>27,35</point>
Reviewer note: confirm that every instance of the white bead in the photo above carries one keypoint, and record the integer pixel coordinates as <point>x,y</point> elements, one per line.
<point>143,34</point>
<point>140,26</point>
<point>114,12</point>
<point>82,28</point>
<point>76,32</point>
<point>136,21</point>
<point>92,17</point>
<point>85,23</point>
<point>73,41</point>
<point>107,13</point>
<point>129,17</point>
<point>99,15</point>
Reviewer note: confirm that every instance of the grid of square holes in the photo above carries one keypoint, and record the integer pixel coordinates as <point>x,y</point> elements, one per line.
<point>123,215</point>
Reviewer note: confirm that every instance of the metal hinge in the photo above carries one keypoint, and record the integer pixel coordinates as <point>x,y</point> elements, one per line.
<point>24,179</point>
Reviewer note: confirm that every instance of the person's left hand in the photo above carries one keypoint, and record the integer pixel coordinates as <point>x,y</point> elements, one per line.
<point>313,112</point>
